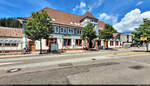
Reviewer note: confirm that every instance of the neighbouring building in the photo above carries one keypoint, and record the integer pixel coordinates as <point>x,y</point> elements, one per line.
<point>67,31</point>
<point>10,40</point>
<point>126,39</point>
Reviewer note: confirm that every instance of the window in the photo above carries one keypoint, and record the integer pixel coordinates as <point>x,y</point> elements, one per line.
<point>78,42</point>
<point>53,19</point>
<point>70,31</point>
<point>67,42</point>
<point>75,23</point>
<point>127,38</point>
<point>71,22</point>
<point>14,44</point>
<point>80,31</point>
<point>62,30</point>
<point>111,43</point>
<point>57,30</point>
<point>92,20</point>
<point>0,44</point>
<point>117,43</point>
<point>65,30</point>
<point>7,44</point>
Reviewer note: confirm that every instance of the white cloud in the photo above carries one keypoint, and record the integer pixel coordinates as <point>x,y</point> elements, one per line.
<point>83,7</point>
<point>82,4</point>
<point>131,20</point>
<point>106,17</point>
<point>96,4</point>
<point>80,7</point>
<point>139,3</point>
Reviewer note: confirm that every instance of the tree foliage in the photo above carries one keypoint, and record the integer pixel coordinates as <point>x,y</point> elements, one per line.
<point>142,31</point>
<point>88,32</point>
<point>10,22</point>
<point>39,27</point>
<point>107,33</point>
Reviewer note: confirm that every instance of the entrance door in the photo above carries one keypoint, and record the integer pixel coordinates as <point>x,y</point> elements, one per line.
<point>32,45</point>
<point>105,44</point>
<point>99,42</point>
<point>90,44</point>
<point>52,40</point>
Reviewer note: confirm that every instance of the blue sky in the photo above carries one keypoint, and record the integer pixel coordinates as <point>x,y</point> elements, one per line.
<point>124,15</point>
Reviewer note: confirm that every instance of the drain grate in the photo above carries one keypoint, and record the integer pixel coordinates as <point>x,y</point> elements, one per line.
<point>66,64</point>
<point>137,67</point>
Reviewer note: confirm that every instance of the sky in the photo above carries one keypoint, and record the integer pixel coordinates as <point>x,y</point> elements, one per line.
<point>123,15</point>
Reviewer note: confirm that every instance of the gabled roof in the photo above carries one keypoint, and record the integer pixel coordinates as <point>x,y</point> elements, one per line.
<point>88,14</point>
<point>10,32</point>
<point>64,18</point>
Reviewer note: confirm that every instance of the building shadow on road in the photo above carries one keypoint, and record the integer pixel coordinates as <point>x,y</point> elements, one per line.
<point>140,51</point>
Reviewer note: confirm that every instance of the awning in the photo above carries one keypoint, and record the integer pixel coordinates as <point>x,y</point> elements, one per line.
<point>10,41</point>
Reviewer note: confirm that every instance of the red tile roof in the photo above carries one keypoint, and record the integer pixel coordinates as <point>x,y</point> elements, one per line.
<point>10,32</point>
<point>65,18</point>
<point>88,14</point>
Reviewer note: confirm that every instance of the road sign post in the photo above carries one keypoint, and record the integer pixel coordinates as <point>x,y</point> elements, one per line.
<point>115,35</point>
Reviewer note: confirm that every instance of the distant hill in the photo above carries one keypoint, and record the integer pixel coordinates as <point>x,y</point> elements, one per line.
<point>10,22</point>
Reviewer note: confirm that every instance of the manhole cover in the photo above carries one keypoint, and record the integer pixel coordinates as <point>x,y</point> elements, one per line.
<point>65,64</point>
<point>137,67</point>
<point>13,70</point>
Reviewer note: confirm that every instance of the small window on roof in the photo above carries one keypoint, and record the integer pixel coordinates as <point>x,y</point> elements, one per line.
<point>53,19</point>
<point>75,23</point>
<point>71,22</point>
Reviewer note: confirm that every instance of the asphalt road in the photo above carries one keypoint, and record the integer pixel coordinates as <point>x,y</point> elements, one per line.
<point>117,70</point>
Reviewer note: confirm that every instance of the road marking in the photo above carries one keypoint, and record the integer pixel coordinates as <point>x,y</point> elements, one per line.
<point>127,54</point>
<point>8,63</point>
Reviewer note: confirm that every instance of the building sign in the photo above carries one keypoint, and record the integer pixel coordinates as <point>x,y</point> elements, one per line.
<point>143,38</point>
<point>115,35</point>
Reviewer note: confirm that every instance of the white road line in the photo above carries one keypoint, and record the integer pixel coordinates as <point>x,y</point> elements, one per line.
<point>8,63</point>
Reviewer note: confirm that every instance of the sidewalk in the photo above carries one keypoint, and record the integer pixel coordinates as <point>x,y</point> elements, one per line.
<point>15,55</point>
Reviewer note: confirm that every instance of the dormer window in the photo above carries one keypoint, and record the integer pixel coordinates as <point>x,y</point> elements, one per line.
<point>75,23</point>
<point>53,19</point>
<point>48,19</point>
<point>71,22</point>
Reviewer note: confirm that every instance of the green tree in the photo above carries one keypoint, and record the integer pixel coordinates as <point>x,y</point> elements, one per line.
<point>107,32</point>
<point>10,22</point>
<point>142,31</point>
<point>39,27</point>
<point>88,33</point>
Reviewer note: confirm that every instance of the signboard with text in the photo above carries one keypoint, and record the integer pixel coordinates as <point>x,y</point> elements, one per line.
<point>143,38</point>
